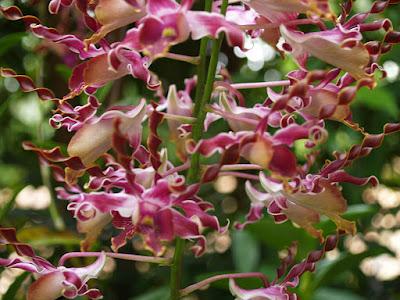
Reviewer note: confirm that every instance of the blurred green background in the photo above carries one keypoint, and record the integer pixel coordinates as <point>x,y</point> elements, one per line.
<point>366,266</point>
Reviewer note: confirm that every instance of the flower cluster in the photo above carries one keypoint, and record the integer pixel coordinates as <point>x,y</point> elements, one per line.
<point>110,177</point>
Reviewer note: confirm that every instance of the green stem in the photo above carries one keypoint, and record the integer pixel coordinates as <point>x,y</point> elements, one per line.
<point>53,210</point>
<point>200,106</point>
<point>201,99</point>
<point>176,270</point>
<point>201,69</point>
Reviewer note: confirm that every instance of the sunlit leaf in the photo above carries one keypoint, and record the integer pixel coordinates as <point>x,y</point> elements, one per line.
<point>380,99</point>
<point>42,236</point>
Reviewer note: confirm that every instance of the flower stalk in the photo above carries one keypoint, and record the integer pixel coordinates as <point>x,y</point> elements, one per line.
<point>199,113</point>
<point>200,106</point>
<point>194,287</point>
<point>123,256</point>
<point>256,85</point>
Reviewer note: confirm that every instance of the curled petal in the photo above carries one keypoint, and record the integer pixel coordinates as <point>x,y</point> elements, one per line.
<point>8,236</point>
<point>55,5</point>
<point>70,41</point>
<point>14,13</point>
<point>54,155</point>
<point>27,85</point>
<point>20,264</point>
<point>73,118</point>
<point>213,145</point>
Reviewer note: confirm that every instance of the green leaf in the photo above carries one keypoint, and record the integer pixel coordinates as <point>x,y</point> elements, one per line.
<point>42,236</point>
<point>245,251</point>
<point>334,294</point>
<point>13,289</point>
<point>354,212</point>
<point>7,206</point>
<point>280,236</point>
<point>10,40</point>
<point>358,211</point>
<point>155,294</point>
<point>104,91</point>
<point>64,71</point>
<point>378,99</point>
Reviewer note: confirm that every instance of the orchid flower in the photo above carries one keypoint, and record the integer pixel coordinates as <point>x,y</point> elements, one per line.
<point>109,15</point>
<point>169,23</point>
<point>264,7</point>
<point>280,287</point>
<point>53,282</point>
<point>146,207</point>
<point>95,137</point>
<point>269,152</point>
<point>302,204</point>
<point>132,186</point>
<point>323,99</point>
<point>341,46</point>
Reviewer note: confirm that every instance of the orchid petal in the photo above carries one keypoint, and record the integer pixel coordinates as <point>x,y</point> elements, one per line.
<point>94,139</point>
<point>328,47</point>
<point>114,14</point>
<point>211,24</point>
<point>47,287</point>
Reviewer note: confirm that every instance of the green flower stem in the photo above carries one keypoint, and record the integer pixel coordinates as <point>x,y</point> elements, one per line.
<point>200,106</point>
<point>53,210</point>
<point>203,94</point>
<point>176,270</point>
<point>202,67</point>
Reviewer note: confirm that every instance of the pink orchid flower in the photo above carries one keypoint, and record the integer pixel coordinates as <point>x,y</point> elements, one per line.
<point>145,207</point>
<point>109,15</point>
<point>168,23</point>
<point>264,7</point>
<point>303,204</point>
<point>52,282</point>
<point>95,137</point>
